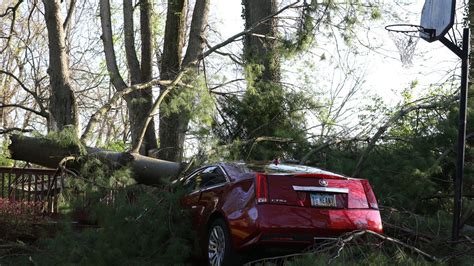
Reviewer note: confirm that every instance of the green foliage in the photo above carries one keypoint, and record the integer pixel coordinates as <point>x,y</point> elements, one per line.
<point>317,16</point>
<point>143,226</point>
<point>68,139</point>
<point>413,165</point>
<point>136,224</point>
<point>4,155</point>
<point>117,145</point>
<point>194,100</point>
<point>266,110</point>
<point>375,13</point>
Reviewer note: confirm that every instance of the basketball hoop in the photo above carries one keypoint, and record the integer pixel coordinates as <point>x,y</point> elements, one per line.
<point>405,37</point>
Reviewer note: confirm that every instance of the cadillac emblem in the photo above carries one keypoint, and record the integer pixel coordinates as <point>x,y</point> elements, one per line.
<point>323,182</point>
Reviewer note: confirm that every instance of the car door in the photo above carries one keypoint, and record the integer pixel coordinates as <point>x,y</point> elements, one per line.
<point>213,184</point>
<point>190,200</point>
<point>204,188</point>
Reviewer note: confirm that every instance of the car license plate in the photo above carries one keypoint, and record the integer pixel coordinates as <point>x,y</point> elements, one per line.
<point>323,200</point>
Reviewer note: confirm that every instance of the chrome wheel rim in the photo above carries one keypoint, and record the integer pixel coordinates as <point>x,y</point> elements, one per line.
<point>216,246</point>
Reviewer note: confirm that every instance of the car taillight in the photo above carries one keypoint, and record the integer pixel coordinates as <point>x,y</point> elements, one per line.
<point>261,188</point>
<point>369,193</point>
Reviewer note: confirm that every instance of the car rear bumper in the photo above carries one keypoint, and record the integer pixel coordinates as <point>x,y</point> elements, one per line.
<point>280,224</point>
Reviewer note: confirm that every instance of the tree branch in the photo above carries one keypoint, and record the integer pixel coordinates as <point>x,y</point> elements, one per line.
<point>448,151</point>
<point>23,86</point>
<point>67,20</point>
<point>45,115</point>
<point>87,134</point>
<point>11,9</point>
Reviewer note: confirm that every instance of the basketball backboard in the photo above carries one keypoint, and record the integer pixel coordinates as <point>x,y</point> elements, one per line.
<point>437,18</point>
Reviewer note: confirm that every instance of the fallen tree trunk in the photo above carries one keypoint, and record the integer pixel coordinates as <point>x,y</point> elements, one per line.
<point>48,153</point>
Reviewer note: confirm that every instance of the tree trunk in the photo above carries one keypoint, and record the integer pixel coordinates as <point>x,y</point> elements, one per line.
<point>107,39</point>
<point>44,152</point>
<point>138,102</point>
<point>471,55</point>
<point>63,109</point>
<point>129,40</point>
<point>173,126</point>
<point>197,34</point>
<point>260,47</point>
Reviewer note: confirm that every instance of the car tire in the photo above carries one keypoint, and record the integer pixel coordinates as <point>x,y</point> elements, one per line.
<point>219,245</point>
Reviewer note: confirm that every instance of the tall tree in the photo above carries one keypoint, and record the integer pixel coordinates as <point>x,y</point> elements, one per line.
<point>62,106</point>
<point>174,125</point>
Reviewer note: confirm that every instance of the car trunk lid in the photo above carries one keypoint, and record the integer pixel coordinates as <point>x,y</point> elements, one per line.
<point>315,191</point>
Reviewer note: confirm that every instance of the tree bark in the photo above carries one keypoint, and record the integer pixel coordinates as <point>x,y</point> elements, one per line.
<point>172,129</point>
<point>197,34</point>
<point>62,107</point>
<point>259,47</point>
<point>44,152</point>
<point>173,126</point>
<point>110,58</point>
<point>146,38</point>
<point>140,102</point>
<point>471,55</point>
<point>129,40</point>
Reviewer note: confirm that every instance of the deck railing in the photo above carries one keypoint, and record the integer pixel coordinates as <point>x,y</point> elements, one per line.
<point>32,185</point>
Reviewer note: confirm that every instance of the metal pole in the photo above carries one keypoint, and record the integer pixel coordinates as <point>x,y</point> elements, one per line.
<point>461,136</point>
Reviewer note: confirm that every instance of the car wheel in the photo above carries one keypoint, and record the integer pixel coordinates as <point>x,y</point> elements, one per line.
<point>219,246</point>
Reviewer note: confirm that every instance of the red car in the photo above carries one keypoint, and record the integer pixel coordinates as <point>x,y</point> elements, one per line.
<point>235,208</point>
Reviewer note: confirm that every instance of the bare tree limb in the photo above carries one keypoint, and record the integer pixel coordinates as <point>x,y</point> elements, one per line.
<point>107,39</point>
<point>87,134</point>
<point>12,10</point>
<point>393,240</point>
<point>225,84</point>
<point>32,93</point>
<point>45,115</point>
<point>319,148</point>
<point>67,20</point>
<point>345,239</point>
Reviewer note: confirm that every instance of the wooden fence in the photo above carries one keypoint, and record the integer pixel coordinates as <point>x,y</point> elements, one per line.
<point>32,185</point>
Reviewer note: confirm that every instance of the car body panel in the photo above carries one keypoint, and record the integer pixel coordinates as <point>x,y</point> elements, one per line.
<point>289,216</point>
